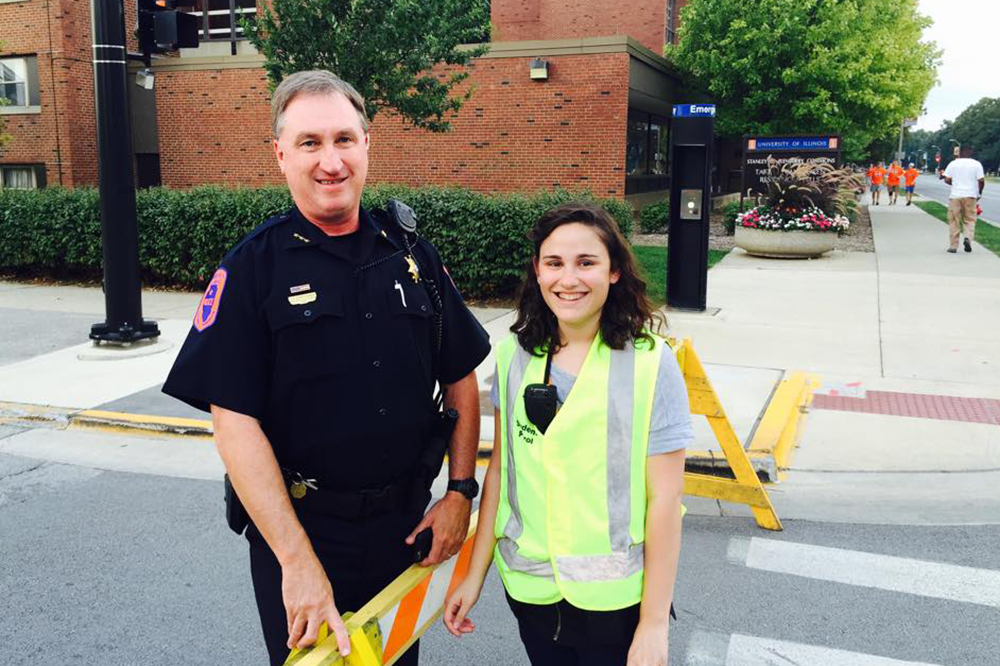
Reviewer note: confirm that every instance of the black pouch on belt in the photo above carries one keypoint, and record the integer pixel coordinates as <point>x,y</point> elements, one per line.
<point>236,514</point>
<point>429,464</point>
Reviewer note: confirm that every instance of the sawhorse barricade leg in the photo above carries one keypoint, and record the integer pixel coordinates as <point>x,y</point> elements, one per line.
<point>746,488</point>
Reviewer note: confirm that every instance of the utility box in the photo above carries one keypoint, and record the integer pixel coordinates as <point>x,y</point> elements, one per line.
<point>691,151</point>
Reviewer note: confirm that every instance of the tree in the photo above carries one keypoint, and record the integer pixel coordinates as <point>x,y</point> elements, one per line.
<point>852,67</point>
<point>395,52</point>
<point>978,126</point>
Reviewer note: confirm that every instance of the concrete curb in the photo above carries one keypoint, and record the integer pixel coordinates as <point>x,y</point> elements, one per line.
<point>124,423</point>
<point>28,415</point>
<point>769,450</point>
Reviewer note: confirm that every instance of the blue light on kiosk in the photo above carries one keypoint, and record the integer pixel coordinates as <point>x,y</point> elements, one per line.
<point>694,111</point>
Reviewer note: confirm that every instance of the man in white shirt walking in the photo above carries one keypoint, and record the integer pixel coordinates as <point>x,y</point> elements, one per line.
<point>967,180</point>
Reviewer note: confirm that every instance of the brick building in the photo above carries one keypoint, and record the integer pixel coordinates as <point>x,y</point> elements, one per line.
<point>598,120</point>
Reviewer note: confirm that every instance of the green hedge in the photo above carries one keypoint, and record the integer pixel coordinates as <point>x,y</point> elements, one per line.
<point>654,218</point>
<point>184,233</point>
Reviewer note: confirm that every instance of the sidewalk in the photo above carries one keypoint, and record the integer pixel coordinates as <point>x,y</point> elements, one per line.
<point>906,341</point>
<point>911,335</point>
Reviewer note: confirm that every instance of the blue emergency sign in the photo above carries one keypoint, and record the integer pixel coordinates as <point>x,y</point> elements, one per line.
<point>694,110</point>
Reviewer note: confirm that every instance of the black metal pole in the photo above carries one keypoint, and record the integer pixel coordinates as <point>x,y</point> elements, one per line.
<point>119,233</point>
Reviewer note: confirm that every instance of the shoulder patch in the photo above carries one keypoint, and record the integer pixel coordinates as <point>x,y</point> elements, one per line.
<point>208,309</point>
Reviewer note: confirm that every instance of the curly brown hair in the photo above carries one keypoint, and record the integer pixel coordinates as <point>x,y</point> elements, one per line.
<point>627,314</point>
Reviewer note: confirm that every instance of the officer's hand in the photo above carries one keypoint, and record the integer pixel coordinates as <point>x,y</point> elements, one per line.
<point>449,521</point>
<point>309,603</point>
<point>458,605</point>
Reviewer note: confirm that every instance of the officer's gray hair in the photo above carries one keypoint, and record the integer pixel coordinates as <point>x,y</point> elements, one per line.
<point>313,82</point>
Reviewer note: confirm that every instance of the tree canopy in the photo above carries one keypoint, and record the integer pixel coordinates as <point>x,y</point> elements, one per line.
<point>387,49</point>
<point>849,67</point>
<point>977,126</point>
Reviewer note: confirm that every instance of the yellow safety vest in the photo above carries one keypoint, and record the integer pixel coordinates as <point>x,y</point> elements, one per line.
<point>571,517</point>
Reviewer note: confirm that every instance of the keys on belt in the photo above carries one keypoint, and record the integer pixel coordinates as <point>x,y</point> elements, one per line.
<point>343,503</point>
<point>299,485</point>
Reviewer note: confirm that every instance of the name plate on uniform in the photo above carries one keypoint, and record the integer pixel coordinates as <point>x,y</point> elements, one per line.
<point>302,299</point>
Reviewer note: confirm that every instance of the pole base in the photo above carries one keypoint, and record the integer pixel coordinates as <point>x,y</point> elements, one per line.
<point>123,334</point>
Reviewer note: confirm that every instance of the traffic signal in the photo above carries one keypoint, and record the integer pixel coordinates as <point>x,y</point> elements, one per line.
<point>937,158</point>
<point>161,28</point>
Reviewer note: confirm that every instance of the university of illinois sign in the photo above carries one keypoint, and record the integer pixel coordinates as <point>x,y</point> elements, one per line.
<point>758,150</point>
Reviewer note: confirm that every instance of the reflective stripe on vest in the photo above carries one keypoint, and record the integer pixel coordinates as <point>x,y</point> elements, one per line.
<point>626,558</point>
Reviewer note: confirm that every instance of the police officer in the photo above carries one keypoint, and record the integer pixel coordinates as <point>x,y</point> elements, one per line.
<point>317,347</point>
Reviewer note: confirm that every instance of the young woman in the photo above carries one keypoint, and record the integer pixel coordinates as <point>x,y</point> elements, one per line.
<point>581,505</point>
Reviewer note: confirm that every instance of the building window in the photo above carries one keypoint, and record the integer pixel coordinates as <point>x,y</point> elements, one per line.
<point>646,153</point>
<point>220,19</point>
<point>14,82</point>
<point>671,34</point>
<point>22,176</point>
<point>19,85</point>
<point>636,148</point>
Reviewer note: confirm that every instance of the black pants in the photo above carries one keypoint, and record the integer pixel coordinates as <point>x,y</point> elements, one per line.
<point>360,556</point>
<point>562,635</point>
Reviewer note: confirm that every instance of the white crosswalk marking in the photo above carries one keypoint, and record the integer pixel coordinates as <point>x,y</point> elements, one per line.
<point>898,574</point>
<point>712,650</point>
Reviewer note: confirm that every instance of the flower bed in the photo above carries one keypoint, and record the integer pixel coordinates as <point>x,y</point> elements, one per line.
<point>791,219</point>
<point>790,232</point>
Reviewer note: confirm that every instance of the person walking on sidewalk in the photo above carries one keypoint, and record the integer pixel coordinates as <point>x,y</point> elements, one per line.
<point>910,176</point>
<point>581,507</point>
<point>967,180</point>
<point>875,175</point>
<point>317,348</point>
<point>893,176</point>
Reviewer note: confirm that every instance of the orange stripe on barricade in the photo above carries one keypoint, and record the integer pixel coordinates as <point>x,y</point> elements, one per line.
<point>461,566</point>
<point>396,617</point>
<point>406,618</point>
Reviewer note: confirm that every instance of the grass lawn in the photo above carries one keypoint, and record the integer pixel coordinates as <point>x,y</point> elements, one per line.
<point>986,234</point>
<point>653,264</point>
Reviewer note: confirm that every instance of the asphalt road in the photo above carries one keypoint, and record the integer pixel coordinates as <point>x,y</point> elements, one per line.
<point>933,188</point>
<point>120,569</point>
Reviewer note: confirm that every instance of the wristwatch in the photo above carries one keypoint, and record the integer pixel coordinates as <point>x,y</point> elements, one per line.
<point>468,487</point>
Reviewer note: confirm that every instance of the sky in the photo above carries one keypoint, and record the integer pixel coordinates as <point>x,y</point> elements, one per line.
<point>968,31</point>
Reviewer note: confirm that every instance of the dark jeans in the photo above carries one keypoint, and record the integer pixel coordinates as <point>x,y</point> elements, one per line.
<point>562,635</point>
<point>360,556</point>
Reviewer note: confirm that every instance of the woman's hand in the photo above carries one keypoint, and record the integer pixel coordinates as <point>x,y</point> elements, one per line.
<point>649,645</point>
<point>458,605</point>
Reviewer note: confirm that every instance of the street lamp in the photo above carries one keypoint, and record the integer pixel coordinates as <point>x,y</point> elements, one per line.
<point>958,147</point>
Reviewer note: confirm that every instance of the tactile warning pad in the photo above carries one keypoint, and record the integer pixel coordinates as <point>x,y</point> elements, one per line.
<point>918,405</point>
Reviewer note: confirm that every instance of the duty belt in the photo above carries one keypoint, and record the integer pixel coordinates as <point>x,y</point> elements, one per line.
<point>344,503</point>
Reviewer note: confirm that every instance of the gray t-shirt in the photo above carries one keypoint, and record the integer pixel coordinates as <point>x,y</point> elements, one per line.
<point>670,426</point>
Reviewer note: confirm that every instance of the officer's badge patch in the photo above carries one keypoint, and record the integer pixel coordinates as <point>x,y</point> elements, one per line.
<point>208,309</point>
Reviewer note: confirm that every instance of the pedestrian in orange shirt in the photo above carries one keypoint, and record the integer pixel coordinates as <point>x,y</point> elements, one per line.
<point>875,176</point>
<point>893,176</point>
<point>911,182</point>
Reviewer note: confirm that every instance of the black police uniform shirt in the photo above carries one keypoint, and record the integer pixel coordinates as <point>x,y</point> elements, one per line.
<point>329,341</point>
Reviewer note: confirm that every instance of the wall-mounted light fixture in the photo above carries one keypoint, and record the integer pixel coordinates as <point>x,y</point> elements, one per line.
<point>539,69</point>
<point>144,78</point>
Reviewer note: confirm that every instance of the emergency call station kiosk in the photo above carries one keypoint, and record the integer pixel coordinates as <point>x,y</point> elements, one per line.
<point>691,135</point>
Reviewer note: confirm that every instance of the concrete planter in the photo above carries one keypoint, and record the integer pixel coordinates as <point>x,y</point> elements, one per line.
<point>785,244</point>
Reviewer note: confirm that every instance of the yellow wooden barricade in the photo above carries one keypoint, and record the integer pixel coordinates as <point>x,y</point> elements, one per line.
<point>396,617</point>
<point>746,487</point>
